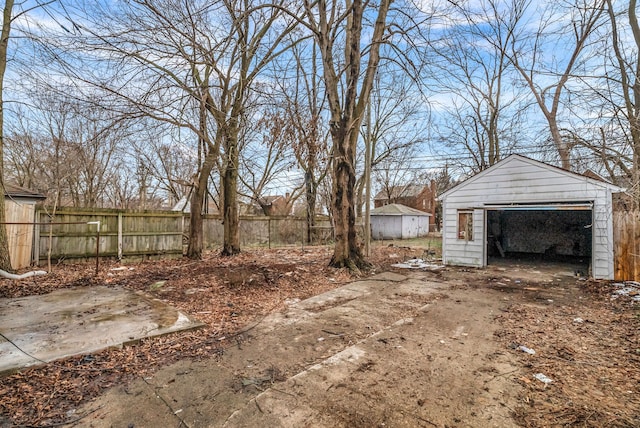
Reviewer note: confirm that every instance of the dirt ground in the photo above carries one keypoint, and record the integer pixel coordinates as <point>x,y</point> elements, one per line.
<point>431,348</point>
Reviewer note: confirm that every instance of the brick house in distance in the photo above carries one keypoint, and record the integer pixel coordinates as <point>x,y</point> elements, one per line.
<point>275,205</point>
<point>417,196</point>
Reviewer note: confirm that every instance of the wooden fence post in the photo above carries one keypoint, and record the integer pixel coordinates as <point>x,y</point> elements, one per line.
<point>120,236</point>
<point>36,240</point>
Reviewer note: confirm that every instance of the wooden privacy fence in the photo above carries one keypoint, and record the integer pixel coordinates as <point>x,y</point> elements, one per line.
<point>72,233</point>
<point>122,234</point>
<point>626,252</point>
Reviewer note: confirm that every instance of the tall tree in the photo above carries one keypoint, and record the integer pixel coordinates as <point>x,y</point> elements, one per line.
<point>566,25</point>
<point>473,69</point>
<point>5,260</point>
<point>193,65</point>
<point>348,79</point>
<point>627,80</point>
<point>396,127</point>
<point>303,105</point>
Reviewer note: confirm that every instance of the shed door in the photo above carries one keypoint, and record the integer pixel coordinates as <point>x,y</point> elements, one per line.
<point>540,233</point>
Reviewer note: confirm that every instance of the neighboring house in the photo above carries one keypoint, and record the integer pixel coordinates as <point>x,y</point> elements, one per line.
<point>275,205</point>
<point>521,208</point>
<point>419,197</point>
<point>396,221</point>
<point>20,207</point>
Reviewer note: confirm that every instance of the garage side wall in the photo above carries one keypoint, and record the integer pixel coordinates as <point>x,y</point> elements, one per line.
<point>386,227</point>
<point>523,181</point>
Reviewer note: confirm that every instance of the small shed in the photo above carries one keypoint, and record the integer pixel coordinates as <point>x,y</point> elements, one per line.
<point>521,208</point>
<point>20,207</point>
<point>396,221</point>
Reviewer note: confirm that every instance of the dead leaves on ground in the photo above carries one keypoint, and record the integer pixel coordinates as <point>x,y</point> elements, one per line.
<point>590,347</point>
<point>225,293</point>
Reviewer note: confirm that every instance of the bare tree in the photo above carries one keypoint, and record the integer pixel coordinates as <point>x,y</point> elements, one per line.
<point>397,127</point>
<point>169,162</point>
<point>626,80</point>
<point>570,23</point>
<point>5,260</point>
<point>473,70</point>
<point>303,104</point>
<point>354,75</point>
<point>193,65</point>
<point>66,149</point>
<point>266,154</point>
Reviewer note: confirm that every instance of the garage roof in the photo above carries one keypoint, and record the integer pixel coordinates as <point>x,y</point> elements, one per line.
<point>397,209</point>
<point>515,158</point>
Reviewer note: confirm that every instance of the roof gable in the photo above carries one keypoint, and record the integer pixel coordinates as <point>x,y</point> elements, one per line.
<point>525,161</point>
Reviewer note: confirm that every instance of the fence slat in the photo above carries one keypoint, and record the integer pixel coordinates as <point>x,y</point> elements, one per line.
<point>125,233</point>
<point>626,238</point>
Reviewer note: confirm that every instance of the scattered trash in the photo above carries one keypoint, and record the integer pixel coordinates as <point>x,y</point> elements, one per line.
<point>578,320</point>
<point>417,264</point>
<point>320,339</point>
<point>119,268</point>
<point>629,289</point>
<point>542,378</point>
<point>527,350</point>
<point>517,281</point>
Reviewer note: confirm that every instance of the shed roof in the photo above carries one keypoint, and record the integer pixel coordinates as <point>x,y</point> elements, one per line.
<point>17,192</point>
<point>519,158</point>
<point>397,209</point>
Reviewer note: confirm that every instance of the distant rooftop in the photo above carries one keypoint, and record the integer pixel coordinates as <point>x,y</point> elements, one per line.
<point>397,209</point>
<point>404,191</point>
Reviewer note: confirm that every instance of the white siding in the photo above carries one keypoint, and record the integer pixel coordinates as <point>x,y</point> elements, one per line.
<point>518,180</point>
<point>414,226</point>
<point>399,226</point>
<point>386,227</point>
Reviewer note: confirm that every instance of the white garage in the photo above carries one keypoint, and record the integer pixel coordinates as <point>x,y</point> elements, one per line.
<point>397,221</point>
<point>523,208</point>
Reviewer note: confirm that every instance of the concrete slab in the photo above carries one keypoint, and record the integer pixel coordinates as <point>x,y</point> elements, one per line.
<point>68,322</point>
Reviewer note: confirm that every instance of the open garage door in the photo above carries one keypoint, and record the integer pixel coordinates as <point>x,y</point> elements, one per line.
<point>561,233</point>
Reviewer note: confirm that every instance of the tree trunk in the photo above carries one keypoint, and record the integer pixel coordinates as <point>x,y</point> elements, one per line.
<point>564,151</point>
<point>360,184</point>
<point>311,194</point>
<point>196,234</point>
<point>347,252</point>
<point>5,258</point>
<point>231,220</point>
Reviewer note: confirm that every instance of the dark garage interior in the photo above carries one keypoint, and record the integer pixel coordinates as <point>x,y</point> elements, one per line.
<point>544,234</point>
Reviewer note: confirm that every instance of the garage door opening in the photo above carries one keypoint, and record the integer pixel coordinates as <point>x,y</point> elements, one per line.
<point>541,234</point>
